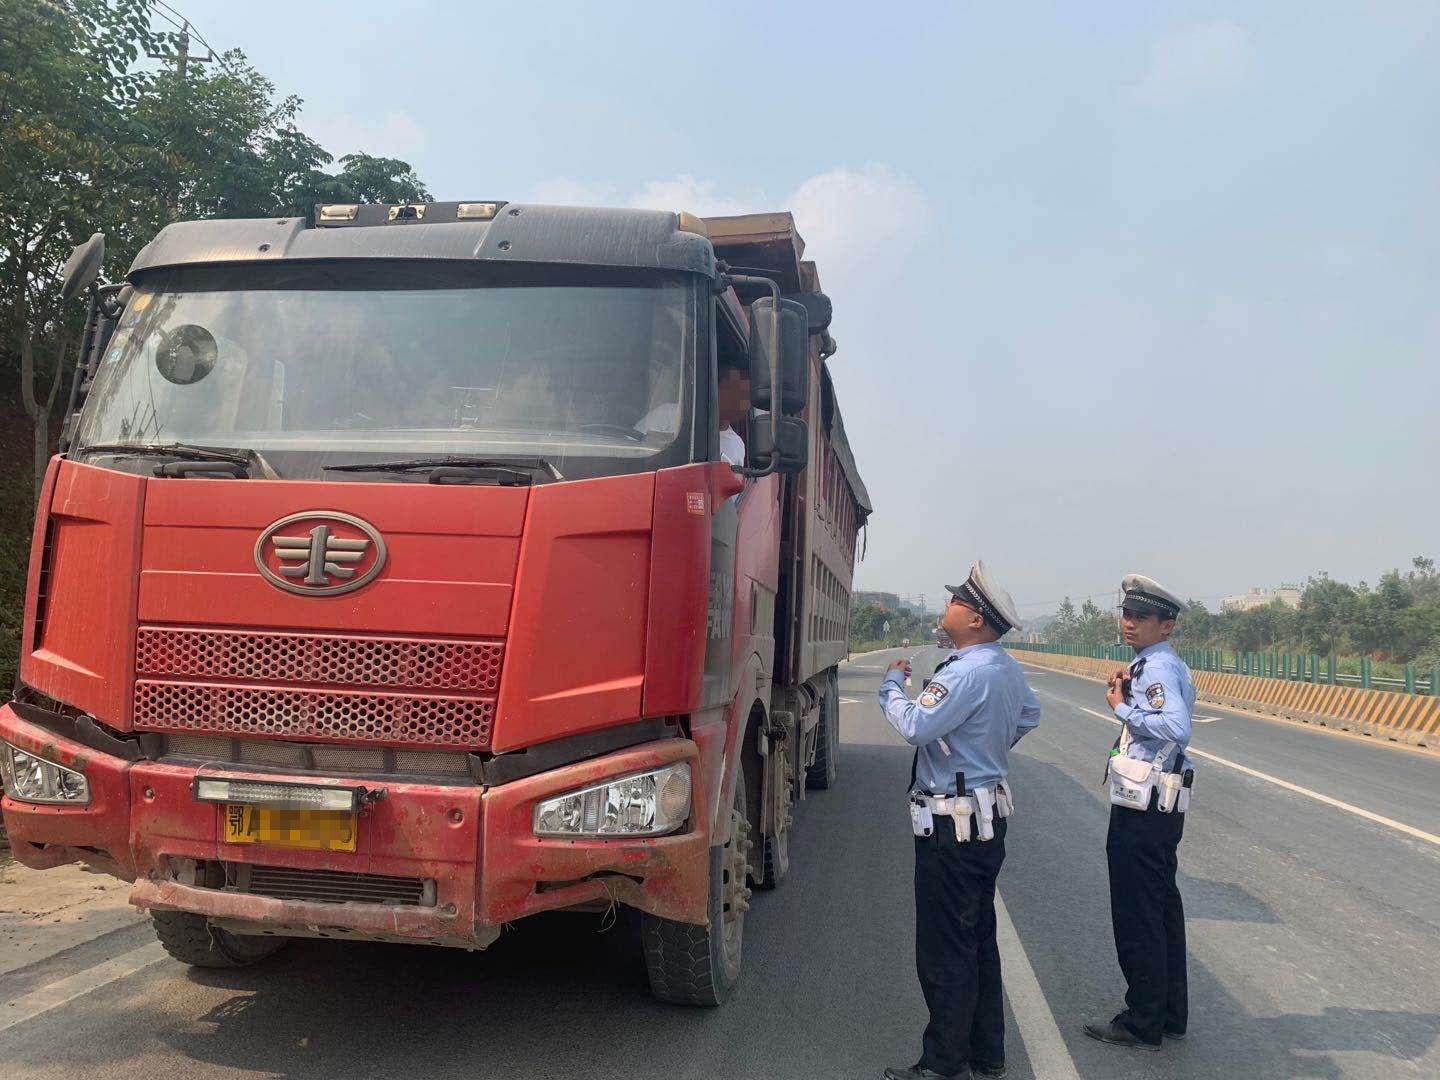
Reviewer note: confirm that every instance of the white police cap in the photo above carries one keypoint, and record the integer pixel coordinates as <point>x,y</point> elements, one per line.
<point>1146,594</point>
<point>985,595</point>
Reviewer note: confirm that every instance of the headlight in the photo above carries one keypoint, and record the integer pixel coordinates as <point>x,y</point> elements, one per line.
<point>650,804</point>
<point>33,779</point>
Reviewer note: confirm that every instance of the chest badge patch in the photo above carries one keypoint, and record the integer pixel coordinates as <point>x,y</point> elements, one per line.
<point>933,694</point>
<point>1155,694</point>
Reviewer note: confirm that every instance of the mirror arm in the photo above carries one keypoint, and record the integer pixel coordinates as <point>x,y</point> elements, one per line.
<point>775,391</point>
<point>88,360</point>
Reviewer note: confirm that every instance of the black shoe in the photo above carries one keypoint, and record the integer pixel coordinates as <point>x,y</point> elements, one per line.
<point>1119,1035</point>
<point>1176,1035</point>
<point>917,1072</point>
<point>994,1069</point>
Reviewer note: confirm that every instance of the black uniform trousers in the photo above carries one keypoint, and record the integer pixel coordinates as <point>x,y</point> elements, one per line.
<point>1148,918</point>
<point>955,952</point>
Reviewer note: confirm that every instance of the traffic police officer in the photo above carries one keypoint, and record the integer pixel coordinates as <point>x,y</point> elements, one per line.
<point>1149,785</point>
<point>973,710</point>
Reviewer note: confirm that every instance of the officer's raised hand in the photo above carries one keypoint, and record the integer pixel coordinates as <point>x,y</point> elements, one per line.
<point>1115,691</point>
<point>900,665</point>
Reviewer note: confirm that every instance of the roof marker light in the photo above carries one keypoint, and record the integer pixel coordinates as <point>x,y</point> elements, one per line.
<point>477,211</point>
<point>407,212</point>
<point>339,211</point>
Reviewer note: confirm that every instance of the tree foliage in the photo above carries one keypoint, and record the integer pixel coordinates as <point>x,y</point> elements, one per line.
<point>95,136</point>
<point>1396,620</point>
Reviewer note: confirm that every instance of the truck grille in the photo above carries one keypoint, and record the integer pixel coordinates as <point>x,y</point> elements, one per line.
<point>319,658</point>
<point>370,690</point>
<point>332,886</point>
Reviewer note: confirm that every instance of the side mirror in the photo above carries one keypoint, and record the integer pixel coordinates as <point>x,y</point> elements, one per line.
<point>83,267</point>
<point>793,448</point>
<point>818,310</point>
<point>794,359</point>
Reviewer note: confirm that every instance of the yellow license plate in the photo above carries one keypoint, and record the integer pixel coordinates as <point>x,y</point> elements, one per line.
<point>288,826</point>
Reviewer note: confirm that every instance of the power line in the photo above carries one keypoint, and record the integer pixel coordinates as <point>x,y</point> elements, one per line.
<point>187,31</point>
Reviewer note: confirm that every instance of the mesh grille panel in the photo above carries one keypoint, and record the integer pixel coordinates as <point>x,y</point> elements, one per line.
<point>462,723</point>
<point>408,691</point>
<point>319,658</point>
<point>200,746</point>
<point>336,887</point>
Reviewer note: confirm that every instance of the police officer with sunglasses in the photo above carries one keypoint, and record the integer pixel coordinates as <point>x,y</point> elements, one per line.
<point>968,716</point>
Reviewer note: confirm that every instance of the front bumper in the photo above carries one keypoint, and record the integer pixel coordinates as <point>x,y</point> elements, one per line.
<point>475,844</point>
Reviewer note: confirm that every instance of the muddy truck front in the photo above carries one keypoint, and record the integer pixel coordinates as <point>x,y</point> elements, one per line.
<point>374,595</point>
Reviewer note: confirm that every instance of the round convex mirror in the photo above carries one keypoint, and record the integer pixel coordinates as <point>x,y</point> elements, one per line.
<point>186,354</point>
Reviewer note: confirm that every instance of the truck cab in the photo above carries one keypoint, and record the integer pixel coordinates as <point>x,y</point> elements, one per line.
<point>390,584</point>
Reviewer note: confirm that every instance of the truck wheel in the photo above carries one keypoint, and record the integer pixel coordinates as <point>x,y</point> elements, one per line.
<point>700,965</point>
<point>820,776</point>
<point>775,852</point>
<point>191,939</point>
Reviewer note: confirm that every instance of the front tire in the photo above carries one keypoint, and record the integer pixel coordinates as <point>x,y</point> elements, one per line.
<point>191,939</point>
<point>700,965</point>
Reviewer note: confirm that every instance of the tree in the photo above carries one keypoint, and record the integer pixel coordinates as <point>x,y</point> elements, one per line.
<point>93,141</point>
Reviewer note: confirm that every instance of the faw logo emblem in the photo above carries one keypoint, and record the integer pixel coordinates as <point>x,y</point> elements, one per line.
<point>320,553</point>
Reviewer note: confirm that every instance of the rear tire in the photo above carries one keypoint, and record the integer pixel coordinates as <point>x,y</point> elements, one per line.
<point>821,774</point>
<point>700,965</point>
<point>775,859</point>
<point>191,939</point>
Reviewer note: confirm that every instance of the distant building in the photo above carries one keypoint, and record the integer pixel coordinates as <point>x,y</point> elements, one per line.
<point>1256,597</point>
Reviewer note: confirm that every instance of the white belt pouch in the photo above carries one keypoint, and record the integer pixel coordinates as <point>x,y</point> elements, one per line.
<point>1131,782</point>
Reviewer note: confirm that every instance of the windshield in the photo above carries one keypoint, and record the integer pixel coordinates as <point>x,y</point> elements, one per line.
<point>315,365</point>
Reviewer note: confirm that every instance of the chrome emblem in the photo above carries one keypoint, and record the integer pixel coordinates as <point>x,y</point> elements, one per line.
<point>320,553</point>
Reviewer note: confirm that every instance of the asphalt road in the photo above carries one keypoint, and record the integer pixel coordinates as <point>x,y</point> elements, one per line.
<point>1314,943</point>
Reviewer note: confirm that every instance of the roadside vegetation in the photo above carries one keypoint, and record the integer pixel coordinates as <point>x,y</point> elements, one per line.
<point>868,627</point>
<point>104,129</point>
<point>1394,622</point>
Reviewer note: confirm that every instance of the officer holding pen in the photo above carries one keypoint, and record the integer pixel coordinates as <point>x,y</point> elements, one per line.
<point>974,709</point>
<point>1149,780</point>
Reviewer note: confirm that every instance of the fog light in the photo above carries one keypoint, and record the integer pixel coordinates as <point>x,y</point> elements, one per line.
<point>32,779</point>
<point>649,804</point>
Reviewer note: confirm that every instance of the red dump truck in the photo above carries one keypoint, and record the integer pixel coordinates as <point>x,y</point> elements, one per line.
<point>389,583</point>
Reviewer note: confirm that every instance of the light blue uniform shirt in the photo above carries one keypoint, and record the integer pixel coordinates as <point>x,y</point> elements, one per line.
<point>978,702</point>
<point>1162,694</point>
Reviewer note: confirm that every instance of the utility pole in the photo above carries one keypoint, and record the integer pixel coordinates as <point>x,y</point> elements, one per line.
<point>182,58</point>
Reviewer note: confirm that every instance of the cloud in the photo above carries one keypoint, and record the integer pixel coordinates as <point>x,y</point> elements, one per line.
<point>1199,61</point>
<point>565,191</point>
<point>391,134</point>
<point>858,223</point>
<point>687,193</point>
<point>858,220</point>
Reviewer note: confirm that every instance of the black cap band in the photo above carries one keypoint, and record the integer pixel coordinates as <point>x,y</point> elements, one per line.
<point>1138,598</point>
<point>974,598</point>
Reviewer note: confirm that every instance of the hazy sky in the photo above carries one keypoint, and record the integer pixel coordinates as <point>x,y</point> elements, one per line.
<point>1118,285</point>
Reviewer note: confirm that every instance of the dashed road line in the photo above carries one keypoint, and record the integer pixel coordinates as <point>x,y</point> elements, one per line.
<point>78,985</point>
<point>1049,1056</point>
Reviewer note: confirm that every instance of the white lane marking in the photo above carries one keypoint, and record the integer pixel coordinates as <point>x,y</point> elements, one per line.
<point>78,985</point>
<point>1358,811</point>
<point>852,701</point>
<point>1204,719</point>
<point>1049,1056</point>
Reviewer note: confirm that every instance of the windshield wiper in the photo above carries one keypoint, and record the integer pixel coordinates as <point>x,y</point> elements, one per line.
<point>535,464</point>
<point>185,452</point>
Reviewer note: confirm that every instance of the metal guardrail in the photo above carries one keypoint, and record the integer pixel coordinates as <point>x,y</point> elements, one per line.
<point>1291,667</point>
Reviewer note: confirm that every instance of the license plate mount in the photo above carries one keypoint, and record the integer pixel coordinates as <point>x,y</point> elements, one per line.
<point>286,825</point>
